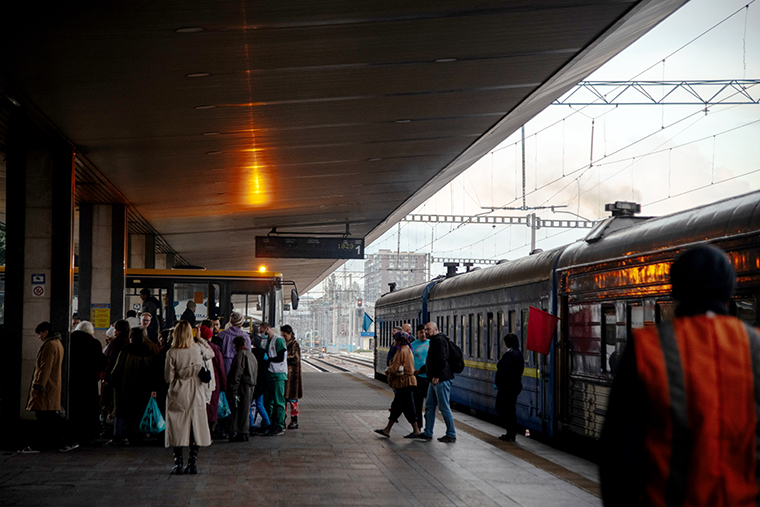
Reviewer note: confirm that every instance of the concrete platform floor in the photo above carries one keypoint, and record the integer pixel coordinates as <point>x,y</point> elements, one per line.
<point>333,459</point>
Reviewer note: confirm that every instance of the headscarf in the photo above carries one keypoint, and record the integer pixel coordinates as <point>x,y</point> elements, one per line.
<point>401,338</point>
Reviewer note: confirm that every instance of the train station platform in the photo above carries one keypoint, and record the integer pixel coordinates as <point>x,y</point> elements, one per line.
<point>335,458</point>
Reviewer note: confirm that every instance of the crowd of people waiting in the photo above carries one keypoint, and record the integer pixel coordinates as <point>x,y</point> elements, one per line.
<point>189,371</point>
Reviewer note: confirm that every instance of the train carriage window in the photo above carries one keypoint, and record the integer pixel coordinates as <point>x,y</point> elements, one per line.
<point>469,335</point>
<point>610,358</point>
<point>489,329</point>
<point>511,322</point>
<point>454,330</point>
<point>499,333</point>
<point>448,331</point>
<point>524,334</point>
<point>479,334</point>
<point>461,332</point>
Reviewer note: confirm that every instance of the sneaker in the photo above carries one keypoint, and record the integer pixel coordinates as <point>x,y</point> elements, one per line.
<point>447,439</point>
<point>424,437</point>
<point>67,448</point>
<point>28,450</point>
<point>277,432</point>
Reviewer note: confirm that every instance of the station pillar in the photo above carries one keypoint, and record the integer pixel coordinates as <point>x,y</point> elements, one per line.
<point>142,251</point>
<point>39,275</point>
<point>102,263</point>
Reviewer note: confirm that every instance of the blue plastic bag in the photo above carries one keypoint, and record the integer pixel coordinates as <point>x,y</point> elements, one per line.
<point>224,407</point>
<point>152,420</point>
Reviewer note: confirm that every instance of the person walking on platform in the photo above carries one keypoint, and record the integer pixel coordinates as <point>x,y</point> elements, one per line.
<point>439,373</point>
<point>274,398</point>
<point>45,393</point>
<point>228,337</point>
<point>420,348</point>
<point>508,381</point>
<point>294,384</point>
<point>185,405</point>
<point>682,425</point>
<point>240,385</point>
<point>401,378</point>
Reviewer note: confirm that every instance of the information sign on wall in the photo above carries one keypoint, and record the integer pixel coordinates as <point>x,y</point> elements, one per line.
<point>100,315</point>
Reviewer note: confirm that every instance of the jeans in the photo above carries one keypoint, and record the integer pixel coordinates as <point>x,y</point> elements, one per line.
<point>257,407</point>
<point>438,396</point>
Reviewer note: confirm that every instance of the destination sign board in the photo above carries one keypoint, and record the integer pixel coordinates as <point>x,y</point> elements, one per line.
<point>309,247</point>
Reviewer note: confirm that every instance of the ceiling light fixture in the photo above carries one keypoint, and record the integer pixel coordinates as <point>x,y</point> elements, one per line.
<point>189,29</point>
<point>14,101</point>
<point>403,121</point>
<point>205,107</point>
<point>197,74</point>
<point>211,133</point>
<point>373,159</point>
<point>214,152</point>
<point>445,60</point>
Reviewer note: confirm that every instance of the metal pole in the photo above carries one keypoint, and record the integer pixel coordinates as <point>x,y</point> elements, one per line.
<point>523,166</point>
<point>532,219</point>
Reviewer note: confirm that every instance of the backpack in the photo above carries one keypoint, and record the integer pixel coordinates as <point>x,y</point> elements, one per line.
<point>456,360</point>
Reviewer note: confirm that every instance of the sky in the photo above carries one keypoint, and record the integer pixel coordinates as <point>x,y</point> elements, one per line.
<point>666,158</point>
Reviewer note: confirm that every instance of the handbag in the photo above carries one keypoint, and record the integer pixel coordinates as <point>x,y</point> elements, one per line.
<point>152,420</point>
<point>204,374</point>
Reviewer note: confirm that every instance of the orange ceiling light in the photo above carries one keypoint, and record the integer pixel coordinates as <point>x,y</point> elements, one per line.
<point>256,194</point>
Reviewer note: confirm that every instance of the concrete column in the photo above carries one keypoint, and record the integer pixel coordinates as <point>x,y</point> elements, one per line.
<point>142,251</point>
<point>39,257</point>
<point>164,261</point>
<point>101,264</point>
<point>137,251</point>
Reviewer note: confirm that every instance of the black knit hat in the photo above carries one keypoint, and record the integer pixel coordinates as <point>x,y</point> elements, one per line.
<point>702,273</point>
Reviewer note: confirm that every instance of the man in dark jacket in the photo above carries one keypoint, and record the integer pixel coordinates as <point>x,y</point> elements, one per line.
<point>439,374</point>
<point>509,384</point>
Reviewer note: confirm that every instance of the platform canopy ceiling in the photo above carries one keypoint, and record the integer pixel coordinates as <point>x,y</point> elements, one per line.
<point>219,120</point>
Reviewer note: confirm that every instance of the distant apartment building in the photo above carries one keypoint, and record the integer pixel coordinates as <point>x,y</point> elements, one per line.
<point>404,269</point>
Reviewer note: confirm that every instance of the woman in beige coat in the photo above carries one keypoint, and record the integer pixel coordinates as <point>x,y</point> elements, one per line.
<point>401,378</point>
<point>185,402</point>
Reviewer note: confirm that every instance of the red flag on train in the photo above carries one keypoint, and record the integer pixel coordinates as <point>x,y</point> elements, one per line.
<point>541,328</point>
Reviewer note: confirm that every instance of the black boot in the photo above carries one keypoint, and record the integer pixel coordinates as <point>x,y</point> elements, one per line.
<point>192,460</point>
<point>293,423</point>
<point>177,469</point>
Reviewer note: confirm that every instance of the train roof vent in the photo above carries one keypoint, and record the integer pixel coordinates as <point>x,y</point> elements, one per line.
<point>622,217</point>
<point>451,268</point>
<point>623,208</point>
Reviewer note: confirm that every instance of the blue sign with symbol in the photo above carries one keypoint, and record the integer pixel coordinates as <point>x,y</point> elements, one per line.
<point>38,279</point>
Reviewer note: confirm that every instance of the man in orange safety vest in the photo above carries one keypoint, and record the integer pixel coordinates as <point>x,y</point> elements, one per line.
<point>682,422</point>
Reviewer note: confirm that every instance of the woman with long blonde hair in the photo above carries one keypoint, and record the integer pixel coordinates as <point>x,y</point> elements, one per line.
<point>185,403</point>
